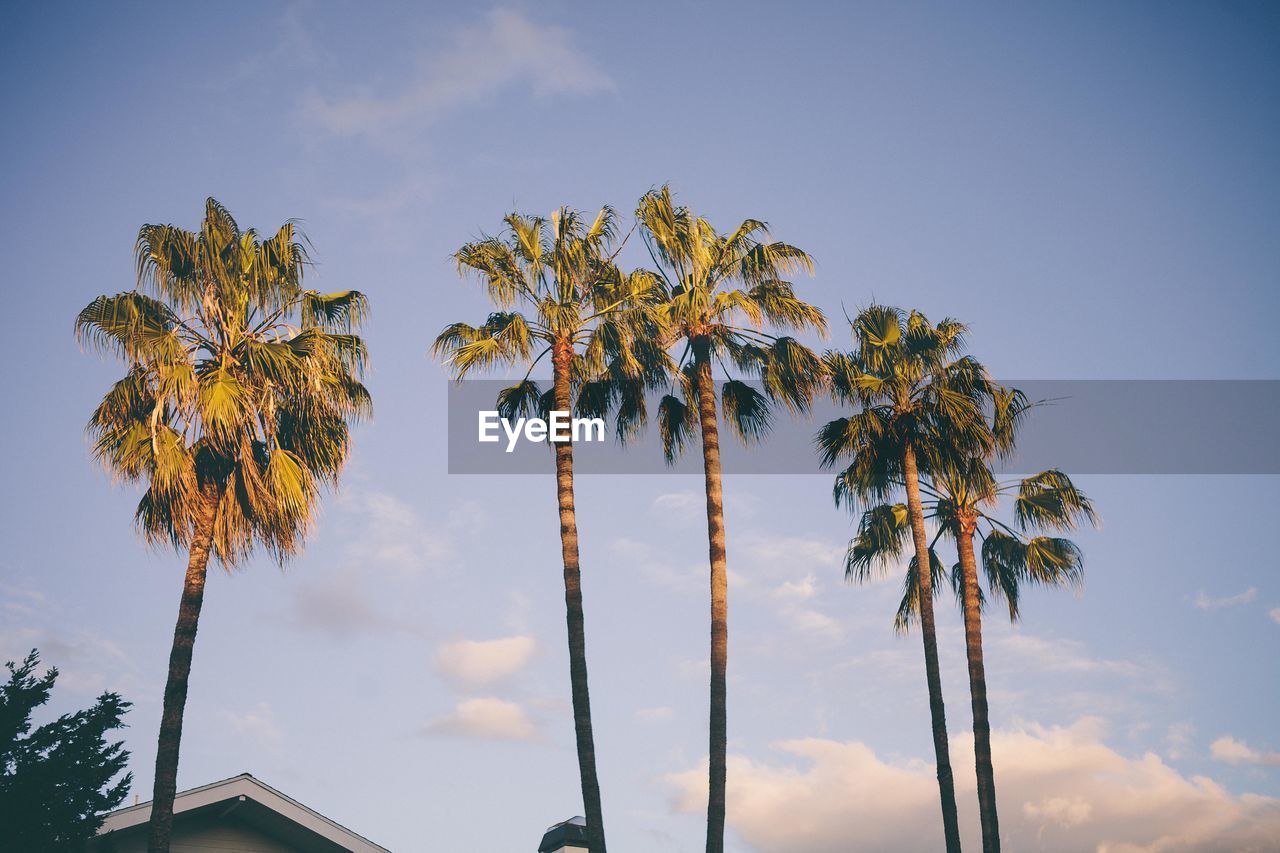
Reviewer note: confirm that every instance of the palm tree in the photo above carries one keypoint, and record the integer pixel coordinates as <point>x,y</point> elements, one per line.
<point>914,396</point>
<point>963,496</point>
<point>580,310</point>
<point>235,410</point>
<point>721,291</point>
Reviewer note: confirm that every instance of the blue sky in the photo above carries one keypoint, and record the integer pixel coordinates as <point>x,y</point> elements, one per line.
<point>1093,187</point>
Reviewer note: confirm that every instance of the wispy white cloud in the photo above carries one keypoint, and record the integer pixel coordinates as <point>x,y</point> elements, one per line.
<point>655,715</point>
<point>687,510</point>
<point>1177,740</point>
<point>693,668</point>
<point>679,502</point>
<point>787,554</point>
<point>385,531</point>
<point>88,661</point>
<point>811,622</point>
<point>21,600</point>
<point>1231,751</point>
<point>1061,655</point>
<point>508,50</point>
<point>657,568</point>
<point>1274,613</point>
<point>291,47</point>
<point>475,663</point>
<point>797,590</point>
<point>258,723</point>
<point>485,718</point>
<point>1206,602</point>
<point>388,542</point>
<point>1062,788</point>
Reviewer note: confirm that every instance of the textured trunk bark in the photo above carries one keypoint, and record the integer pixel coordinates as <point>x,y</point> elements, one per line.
<point>937,711</point>
<point>719,728</point>
<point>160,826</point>
<point>561,358</point>
<point>978,692</point>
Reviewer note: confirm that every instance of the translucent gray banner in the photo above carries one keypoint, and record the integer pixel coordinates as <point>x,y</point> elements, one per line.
<point>1086,426</point>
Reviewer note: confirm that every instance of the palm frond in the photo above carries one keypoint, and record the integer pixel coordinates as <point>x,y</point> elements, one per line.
<point>1049,500</point>
<point>522,400</point>
<point>338,312</point>
<point>909,607</point>
<point>676,422</point>
<point>883,533</point>
<point>746,410</point>
<point>792,374</point>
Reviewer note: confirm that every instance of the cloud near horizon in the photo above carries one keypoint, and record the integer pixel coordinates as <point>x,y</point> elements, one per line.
<point>1062,789</point>
<point>506,50</point>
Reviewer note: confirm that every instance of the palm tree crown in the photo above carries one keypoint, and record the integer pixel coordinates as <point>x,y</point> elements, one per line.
<point>963,501</point>
<point>240,381</point>
<point>723,292</point>
<point>909,386</point>
<point>578,306</point>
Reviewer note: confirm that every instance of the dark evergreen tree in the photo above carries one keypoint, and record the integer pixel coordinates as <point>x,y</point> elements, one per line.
<point>56,780</point>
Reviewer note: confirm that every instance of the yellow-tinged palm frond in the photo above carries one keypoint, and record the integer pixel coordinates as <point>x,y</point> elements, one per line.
<point>526,233</point>
<point>877,328</point>
<point>778,304</point>
<point>133,326</point>
<point>504,338</point>
<point>883,533</point>
<point>224,403</point>
<point>292,486</point>
<point>1049,500</point>
<point>771,261</point>
<point>339,312</point>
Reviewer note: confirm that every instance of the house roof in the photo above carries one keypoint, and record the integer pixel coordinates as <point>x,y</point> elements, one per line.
<point>257,804</point>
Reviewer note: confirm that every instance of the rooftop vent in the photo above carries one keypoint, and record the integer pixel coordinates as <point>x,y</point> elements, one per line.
<point>568,836</point>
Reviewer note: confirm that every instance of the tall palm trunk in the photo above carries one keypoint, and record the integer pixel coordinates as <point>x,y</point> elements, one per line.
<point>561,358</point>
<point>937,711</point>
<point>175,688</point>
<point>978,691</point>
<point>719,727</point>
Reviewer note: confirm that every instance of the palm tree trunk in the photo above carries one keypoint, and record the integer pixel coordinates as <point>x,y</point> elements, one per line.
<point>160,826</point>
<point>561,358</point>
<point>719,727</point>
<point>937,711</point>
<point>978,692</point>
